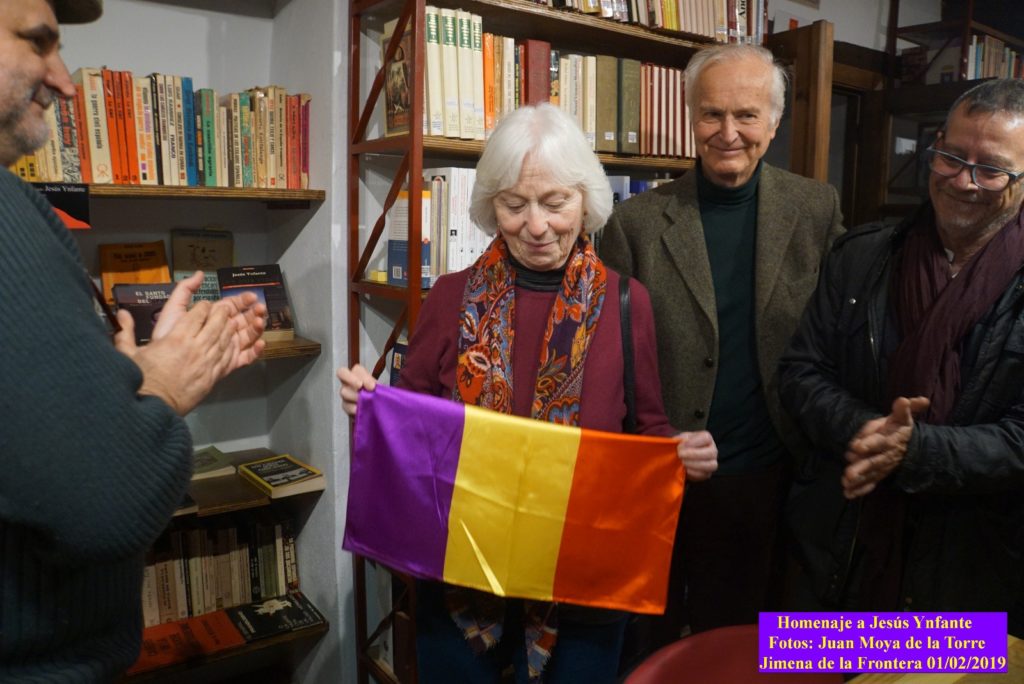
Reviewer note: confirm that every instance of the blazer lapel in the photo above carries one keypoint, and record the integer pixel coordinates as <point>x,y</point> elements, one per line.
<point>684,240</point>
<point>776,223</point>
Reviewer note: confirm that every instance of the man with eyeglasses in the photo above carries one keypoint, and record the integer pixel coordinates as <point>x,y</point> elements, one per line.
<point>907,373</point>
<point>96,455</point>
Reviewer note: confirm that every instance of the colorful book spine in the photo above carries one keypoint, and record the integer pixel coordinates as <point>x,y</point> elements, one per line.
<point>189,121</point>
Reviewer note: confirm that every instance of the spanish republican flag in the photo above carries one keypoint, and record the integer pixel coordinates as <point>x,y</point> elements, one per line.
<point>512,506</point>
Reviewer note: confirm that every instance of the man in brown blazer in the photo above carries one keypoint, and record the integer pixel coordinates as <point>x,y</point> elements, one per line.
<point>730,254</point>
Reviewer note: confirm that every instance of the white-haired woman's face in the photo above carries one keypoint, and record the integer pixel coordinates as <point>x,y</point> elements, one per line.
<point>539,218</point>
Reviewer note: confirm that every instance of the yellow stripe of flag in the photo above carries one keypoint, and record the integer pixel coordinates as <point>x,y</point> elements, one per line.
<point>506,510</point>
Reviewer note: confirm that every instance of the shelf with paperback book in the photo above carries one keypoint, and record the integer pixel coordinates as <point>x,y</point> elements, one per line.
<point>209,519</point>
<point>234,490</point>
<point>228,567</point>
<point>173,650</point>
<point>157,130</point>
<point>257,43</point>
<point>964,45</point>
<point>622,82</point>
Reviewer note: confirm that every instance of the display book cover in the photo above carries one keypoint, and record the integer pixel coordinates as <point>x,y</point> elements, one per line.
<point>201,250</point>
<point>280,615</point>
<point>210,462</point>
<point>144,302</point>
<point>267,283</point>
<point>282,475</point>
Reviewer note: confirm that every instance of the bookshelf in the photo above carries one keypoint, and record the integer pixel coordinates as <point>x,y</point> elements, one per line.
<point>968,28</point>
<point>285,401</point>
<point>909,110</point>
<point>221,496</point>
<point>377,166</point>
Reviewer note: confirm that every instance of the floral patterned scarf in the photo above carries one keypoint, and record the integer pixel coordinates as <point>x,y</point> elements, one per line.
<point>484,378</point>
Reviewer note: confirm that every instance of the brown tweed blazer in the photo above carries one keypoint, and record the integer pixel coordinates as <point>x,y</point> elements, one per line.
<point>657,238</point>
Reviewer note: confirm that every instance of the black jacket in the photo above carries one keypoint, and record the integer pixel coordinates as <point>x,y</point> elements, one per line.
<point>962,484</point>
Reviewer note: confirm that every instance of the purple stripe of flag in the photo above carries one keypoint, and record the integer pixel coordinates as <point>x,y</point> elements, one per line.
<point>398,508</point>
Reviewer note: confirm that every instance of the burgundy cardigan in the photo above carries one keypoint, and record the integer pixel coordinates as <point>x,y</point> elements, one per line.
<point>433,350</point>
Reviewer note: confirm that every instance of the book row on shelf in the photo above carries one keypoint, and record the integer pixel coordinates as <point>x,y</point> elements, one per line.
<point>450,241</point>
<point>720,20</point>
<point>221,577</point>
<point>987,57</point>
<point>157,130</point>
<point>473,78</point>
<point>990,57</point>
<point>136,277</point>
<point>200,566</point>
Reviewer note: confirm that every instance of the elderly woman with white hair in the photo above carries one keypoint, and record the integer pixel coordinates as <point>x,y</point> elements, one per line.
<point>538,292</point>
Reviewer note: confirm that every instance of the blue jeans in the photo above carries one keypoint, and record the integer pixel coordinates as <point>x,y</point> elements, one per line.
<point>584,653</point>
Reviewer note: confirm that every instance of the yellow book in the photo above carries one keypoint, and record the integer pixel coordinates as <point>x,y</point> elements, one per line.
<point>132,263</point>
<point>281,476</point>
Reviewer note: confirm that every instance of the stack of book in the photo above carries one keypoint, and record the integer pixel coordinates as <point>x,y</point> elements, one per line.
<point>474,78</point>
<point>223,630</point>
<point>156,129</point>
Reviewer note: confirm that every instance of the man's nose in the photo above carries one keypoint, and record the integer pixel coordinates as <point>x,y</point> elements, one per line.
<point>964,179</point>
<point>728,130</point>
<point>57,77</point>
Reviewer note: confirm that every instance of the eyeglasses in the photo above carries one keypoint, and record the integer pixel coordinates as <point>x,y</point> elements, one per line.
<point>991,178</point>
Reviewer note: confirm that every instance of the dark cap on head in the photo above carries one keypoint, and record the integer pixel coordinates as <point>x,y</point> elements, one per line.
<point>77,11</point>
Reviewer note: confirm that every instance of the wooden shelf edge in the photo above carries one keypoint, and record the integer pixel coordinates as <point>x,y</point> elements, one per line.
<point>921,34</point>
<point>271,196</point>
<point>309,633</point>
<point>590,21</point>
<point>379,670</point>
<point>289,349</point>
<point>472,149</point>
<point>383,290</point>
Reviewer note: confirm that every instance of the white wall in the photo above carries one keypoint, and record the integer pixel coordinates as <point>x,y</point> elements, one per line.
<point>861,22</point>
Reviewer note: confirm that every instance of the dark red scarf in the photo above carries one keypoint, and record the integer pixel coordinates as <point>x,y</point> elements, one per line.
<point>935,311</point>
<point>484,378</point>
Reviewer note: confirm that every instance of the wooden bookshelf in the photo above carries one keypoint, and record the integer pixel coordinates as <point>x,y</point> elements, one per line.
<point>163,192</point>
<point>238,661</point>
<point>288,349</point>
<point>936,34</point>
<point>569,30</point>
<point>566,31</point>
<point>453,148</point>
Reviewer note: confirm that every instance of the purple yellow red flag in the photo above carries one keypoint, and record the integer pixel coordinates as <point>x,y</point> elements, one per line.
<point>512,506</point>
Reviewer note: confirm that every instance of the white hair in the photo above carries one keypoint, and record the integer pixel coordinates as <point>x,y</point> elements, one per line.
<point>734,52</point>
<point>554,142</point>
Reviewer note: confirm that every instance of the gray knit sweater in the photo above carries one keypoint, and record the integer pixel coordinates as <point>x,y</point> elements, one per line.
<point>90,472</point>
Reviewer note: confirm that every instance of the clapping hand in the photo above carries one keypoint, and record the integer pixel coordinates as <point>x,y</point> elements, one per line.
<point>193,349</point>
<point>879,446</point>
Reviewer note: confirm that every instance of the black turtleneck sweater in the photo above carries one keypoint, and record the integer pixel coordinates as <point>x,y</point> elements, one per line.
<point>738,418</point>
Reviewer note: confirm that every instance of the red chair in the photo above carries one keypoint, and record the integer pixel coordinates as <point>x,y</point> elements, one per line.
<point>727,655</point>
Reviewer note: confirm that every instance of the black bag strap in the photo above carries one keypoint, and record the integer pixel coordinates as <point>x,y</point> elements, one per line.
<point>628,372</point>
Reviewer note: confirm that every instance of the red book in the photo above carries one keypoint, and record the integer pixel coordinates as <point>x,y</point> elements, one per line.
<point>536,71</point>
<point>131,144</point>
<point>83,135</point>
<point>293,145</point>
<point>304,139</point>
<point>115,126</point>
<point>195,637</point>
